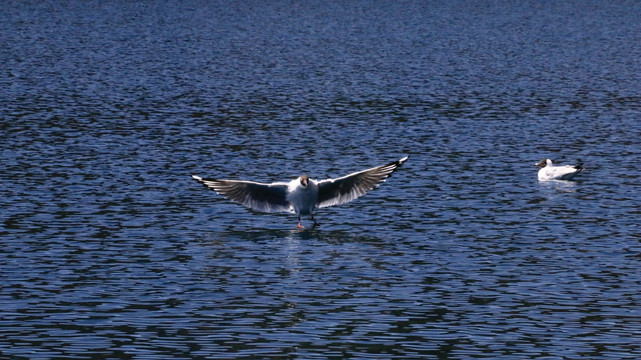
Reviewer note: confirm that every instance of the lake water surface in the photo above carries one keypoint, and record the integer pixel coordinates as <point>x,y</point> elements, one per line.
<point>110,250</point>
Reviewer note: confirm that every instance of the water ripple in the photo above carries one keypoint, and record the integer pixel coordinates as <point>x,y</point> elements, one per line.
<point>110,250</point>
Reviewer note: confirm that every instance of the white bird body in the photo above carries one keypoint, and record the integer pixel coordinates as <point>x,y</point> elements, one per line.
<point>564,172</point>
<point>302,195</point>
<point>302,198</point>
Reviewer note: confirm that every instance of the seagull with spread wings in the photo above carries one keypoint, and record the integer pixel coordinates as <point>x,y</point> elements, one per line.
<point>302,195</point>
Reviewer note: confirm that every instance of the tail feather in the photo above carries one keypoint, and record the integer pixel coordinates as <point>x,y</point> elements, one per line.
<point>579,166</point>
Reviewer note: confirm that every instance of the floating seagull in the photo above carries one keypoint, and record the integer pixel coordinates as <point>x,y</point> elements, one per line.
<point>564,172</point>
<point>302,195</point>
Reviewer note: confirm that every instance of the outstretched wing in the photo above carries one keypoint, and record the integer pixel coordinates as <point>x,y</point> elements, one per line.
<point>254,195</point>
<point>347,188</point>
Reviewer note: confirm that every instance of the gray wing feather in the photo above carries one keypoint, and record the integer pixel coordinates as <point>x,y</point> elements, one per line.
<point>254,195</point>
<point>347,188</point>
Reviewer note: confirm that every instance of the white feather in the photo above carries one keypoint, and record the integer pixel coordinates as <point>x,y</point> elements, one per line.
<point>551,172</point>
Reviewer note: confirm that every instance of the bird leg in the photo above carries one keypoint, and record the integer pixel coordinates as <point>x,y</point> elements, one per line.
<point>314,220</point>
<point>299,225</point>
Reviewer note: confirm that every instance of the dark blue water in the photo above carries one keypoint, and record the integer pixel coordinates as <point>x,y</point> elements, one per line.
<point>108,249</point>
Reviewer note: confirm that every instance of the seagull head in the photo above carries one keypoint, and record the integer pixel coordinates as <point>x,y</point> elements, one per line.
<point>543,163</point>
<point>304,180</point>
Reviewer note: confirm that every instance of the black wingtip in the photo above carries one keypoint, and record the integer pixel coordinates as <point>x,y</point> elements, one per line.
<point>202,180</point>
<point>398,163</point>
<point>206,182</point>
